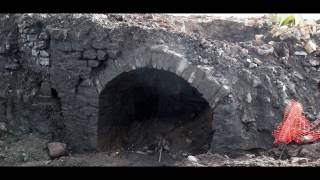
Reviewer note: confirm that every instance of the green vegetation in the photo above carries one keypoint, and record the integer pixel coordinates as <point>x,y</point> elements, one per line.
<point>287,19</point>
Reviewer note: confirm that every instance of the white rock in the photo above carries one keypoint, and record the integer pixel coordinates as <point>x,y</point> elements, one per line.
<point>34,52</point>
<point>44,61</point>
<point>298,160</point>
<point>300,53</point>
<point>310,46</point>
<point>259,38</point>
<point>298,75</point>
<point>252,65</point>
<point>44,53</point>
<point>249,98</point>
<point>257,61</point>
<point>192,159</point>
<point>315,62</point>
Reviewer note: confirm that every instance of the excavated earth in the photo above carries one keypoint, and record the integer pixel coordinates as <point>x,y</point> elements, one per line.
<point>153,90</point>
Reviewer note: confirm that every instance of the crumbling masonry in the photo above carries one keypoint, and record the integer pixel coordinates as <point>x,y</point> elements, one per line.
<point>56,70</point>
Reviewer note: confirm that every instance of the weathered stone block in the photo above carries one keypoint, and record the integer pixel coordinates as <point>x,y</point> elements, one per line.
<point>77,46</point>
<point>34,52</point>
<point>12,66</point>
<point>63,46</point>
<point>40,45</point>
<point>58,34</point>
<point>32,37</point>
<point>100,44</point>
<point>90,54</point>
<point>45,89</point>
<point>93,63</point>
<point>43,36</point>
<point>102,55</point>
<point>112,53</point>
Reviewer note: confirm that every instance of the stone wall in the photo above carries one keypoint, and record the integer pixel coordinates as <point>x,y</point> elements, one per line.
<point>53,68</point>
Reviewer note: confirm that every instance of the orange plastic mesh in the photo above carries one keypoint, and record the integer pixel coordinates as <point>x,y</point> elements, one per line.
<point>295,126</point>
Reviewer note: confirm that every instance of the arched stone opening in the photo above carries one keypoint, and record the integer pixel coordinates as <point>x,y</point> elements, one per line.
<point>144,107</point>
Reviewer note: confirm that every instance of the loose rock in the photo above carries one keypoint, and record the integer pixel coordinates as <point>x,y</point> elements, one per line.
<point>265,50</point>
<point>192,159</point>
<point>93,63</point>
<point>101,55</point>
<point>89,54</point>
<point>310,46</point>
<point>57,149</point>
<point>314,62</point>
<point>3,128</point>
<point>252,65</point>
<point>300,53</point>
<point>297,160</point>
<point>257,61</point>
<point>310,150</point>
<point>249,98</point>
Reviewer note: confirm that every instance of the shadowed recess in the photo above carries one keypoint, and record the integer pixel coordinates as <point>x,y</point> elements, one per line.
<point>142,107</point>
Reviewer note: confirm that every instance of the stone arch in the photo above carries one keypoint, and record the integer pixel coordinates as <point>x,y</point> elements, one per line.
<point>160,57</point>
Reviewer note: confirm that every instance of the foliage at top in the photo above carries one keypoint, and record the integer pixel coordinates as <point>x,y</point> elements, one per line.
<point>287,19</point>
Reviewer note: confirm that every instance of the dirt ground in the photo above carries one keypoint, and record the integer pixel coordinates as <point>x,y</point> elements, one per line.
<point>31,150</point>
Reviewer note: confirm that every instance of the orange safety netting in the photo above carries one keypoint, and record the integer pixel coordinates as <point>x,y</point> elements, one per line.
<point>295,126</point>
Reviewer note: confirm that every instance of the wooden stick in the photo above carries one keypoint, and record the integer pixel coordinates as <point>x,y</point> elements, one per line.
<point>283,147</point>
<point>160,154</point>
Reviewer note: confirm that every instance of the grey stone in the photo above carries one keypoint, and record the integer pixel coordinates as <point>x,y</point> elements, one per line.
<point>310,150</point>
<point>102,55</point>
<point>252,65</point>
<point>90,54</point>
<point>43,36</point>
<point>3,50</point>
<point>256,81</point>
<point>299,160</point>
<point>77,46</point>
<point>257,61</point>
<point>113,53</point>
<point>12,66</point>
<point>64,46</point>
<point>265,50</point>
<point>34,52</point>
<point>86,83</point>
<point>298,75</point>
<point>314,62</point>
<point>44,53</point>
<point>300,53</point>
<point>40,45</point>
<point>57,149</point>
<point>100,44</point>
<point>44,61</point>
<point>247,62</point>
<point>93,63</point>
<point>2,143</point>
<point>30,44</point>
<point>45,89</point>
<point>58,34</point>
<point>3,128</point>
<point>32,37</point>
